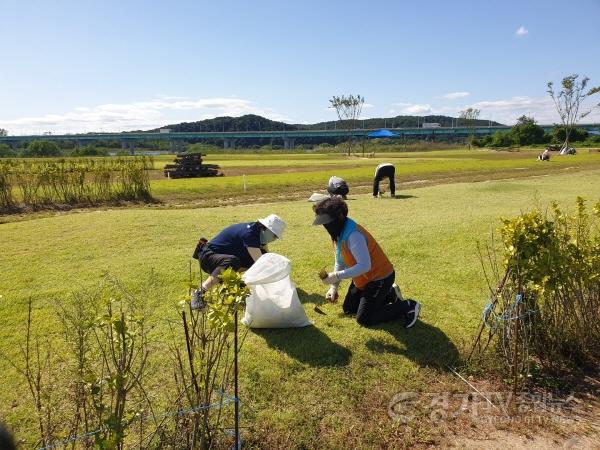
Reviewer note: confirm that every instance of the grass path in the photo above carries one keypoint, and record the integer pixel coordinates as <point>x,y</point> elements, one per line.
<point>323,386</point>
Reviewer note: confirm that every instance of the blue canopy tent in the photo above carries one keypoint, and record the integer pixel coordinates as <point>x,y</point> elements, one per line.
<point>382,133</point>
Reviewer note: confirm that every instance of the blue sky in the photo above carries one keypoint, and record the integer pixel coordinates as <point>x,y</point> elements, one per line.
<point>73,66</point>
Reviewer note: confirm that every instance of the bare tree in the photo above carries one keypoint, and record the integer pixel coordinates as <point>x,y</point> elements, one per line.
<point>348,108</point>
<point>569,101</point>
<point>3,132</point>
<point>469,116</point>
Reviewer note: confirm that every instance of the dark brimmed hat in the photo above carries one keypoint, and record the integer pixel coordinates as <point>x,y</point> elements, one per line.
<point>322,219</point>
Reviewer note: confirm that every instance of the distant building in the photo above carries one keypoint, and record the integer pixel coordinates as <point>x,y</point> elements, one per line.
<point>431,125</point>
<point>164,130</point>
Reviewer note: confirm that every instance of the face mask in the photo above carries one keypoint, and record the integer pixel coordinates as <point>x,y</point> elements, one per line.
<point>335,228</point>
<point>267,236</point>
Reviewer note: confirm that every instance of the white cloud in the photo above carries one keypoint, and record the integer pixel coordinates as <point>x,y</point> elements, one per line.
<point>508,110</point>
<point>137,115</point>
<point>522,31</point>
<point>413,108</point>
<point>503,110</point>
<point>542,109</point>
<point>455,95</point>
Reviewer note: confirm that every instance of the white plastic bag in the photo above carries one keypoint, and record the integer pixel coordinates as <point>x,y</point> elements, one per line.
<point>273,300</point>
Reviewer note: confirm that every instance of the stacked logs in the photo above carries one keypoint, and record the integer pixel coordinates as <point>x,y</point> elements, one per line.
<point>189,165</point>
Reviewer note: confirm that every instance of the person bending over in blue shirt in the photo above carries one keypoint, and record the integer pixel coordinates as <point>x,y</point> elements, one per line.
<point>238,246</point>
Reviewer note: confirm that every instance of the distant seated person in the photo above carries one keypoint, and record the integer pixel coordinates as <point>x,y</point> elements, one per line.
<point>545,156</point>
<point>338,186</point>
<point>384,170</point>
<point>567,151</point>
<point>238,246</point>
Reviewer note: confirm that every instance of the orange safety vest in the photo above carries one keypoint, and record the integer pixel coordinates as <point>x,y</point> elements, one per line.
<point>381,266</point>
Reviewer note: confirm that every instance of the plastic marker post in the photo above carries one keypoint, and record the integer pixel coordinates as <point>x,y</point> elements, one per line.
<point>244,178</point>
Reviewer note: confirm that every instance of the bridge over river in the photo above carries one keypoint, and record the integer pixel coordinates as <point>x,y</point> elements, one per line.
<point>229,138</point>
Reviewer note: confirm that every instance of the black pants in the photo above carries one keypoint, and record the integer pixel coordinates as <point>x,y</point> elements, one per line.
<point>376,303</point>
<point>384,172</point>
<point>210,261</point>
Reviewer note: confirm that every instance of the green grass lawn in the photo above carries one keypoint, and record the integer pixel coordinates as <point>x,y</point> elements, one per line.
<point>268,177</point>
<point>325,386</point>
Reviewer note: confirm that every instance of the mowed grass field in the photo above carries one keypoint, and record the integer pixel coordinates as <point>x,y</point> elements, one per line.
<point>325,386</point>
<point>290,176</point>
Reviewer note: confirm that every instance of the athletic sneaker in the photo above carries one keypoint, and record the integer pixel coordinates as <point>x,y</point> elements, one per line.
<point>413,313</point>
<point>197,302</point>
<point>398,292</point>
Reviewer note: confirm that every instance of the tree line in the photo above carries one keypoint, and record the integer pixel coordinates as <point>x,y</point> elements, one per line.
<point>528,132</point>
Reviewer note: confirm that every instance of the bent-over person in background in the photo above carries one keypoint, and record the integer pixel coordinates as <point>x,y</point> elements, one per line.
<point>238,246</point>
<point>384,170</point>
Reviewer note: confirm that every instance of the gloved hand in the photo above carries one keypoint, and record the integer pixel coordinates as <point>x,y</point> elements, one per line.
<point>332,294</point>
<point>331,278</point>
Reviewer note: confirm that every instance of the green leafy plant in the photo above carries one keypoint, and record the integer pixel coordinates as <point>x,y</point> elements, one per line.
<point>122,340</point>
<point>545,308</point>
<point>73,181</point>
<point>105,362</point>
<point>203,362</point>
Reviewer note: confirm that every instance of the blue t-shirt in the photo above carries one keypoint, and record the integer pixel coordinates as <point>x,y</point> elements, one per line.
<point>234,240</point>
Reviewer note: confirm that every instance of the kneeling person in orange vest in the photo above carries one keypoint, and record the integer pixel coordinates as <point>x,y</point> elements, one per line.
<point>372,296</point>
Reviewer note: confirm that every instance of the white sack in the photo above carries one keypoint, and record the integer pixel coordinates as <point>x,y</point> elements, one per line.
<point>273,300</point>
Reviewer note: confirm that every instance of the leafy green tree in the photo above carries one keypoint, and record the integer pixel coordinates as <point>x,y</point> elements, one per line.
<point>559,135</point>
<point>42,149</point>
<point>90,150</point>
<point>501,139</point>
<point>527,132</point>
<point>3,132</point>
<point>6,151</point>
<point>569,101</point>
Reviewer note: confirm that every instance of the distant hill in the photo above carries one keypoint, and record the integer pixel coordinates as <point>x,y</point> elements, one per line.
<point>249,122</point>
<point>252,122</point>
<point>404,122</point>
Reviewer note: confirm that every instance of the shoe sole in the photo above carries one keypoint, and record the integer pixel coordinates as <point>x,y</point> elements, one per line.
<point>397,291</point>
<point>417,311</point>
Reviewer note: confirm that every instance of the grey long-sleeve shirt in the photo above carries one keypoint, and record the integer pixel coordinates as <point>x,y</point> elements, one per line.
<point>357,244</point>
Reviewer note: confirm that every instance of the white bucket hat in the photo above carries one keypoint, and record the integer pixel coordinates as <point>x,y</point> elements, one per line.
<point>274,223</point>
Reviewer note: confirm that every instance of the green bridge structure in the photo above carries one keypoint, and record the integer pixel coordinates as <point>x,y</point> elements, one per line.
<point>229,138</point>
